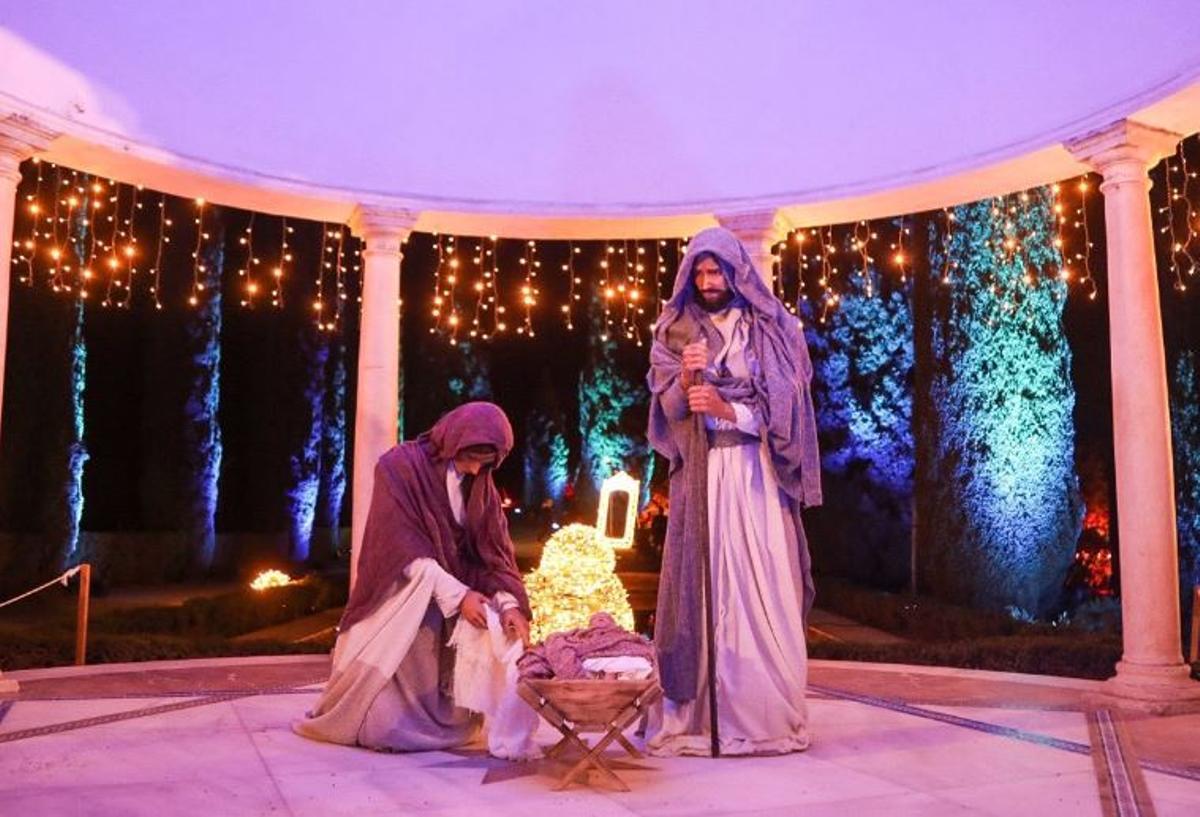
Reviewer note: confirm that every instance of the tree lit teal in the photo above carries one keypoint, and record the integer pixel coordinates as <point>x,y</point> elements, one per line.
<point>1004,523</point>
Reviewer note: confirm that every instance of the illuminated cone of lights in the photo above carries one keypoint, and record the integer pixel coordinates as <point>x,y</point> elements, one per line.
<point>576,578</point>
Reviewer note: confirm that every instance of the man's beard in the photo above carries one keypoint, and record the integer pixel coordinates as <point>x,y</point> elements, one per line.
<point>718,305</point>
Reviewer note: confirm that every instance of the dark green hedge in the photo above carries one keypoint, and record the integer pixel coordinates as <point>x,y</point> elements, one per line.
<point>229,614</point>
<point>917,617</point>
<point>1082,656</point>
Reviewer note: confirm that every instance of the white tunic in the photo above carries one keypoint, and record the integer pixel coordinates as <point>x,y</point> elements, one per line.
<point>762,659</point>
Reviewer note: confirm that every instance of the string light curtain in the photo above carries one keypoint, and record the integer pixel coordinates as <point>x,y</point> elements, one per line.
<point>133,229</point>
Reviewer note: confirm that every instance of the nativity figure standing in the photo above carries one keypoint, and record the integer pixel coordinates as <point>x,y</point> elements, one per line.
<point>731,411</point>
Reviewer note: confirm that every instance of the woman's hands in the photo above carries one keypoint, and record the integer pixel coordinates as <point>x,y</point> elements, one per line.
<point>515,625</point>
<point>473,608</point>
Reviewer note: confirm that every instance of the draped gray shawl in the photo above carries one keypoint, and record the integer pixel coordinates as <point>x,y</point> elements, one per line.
<point>777,391</point>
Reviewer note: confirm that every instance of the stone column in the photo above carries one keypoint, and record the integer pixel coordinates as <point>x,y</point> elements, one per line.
<point>1151,674</point>
<point>759,231</point>
<point>376,412</point>
<point>19,139</point>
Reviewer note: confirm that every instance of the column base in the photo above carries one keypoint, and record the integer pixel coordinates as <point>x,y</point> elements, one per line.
<point>8,686</point>
<point>1150,689</point>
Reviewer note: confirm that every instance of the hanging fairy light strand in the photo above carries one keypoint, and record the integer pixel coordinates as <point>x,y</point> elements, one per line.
<point>451,277</point>
<point>860,242</point>
<point>198,266</point>
<point>97,203</point>
<point>340,267</point>
<point>1190,213</point>
<point>529,289</point>
<point>660,274</point>
<point>163,239</point>
<point>800,238</point>
<point>607,291</point>
<point>1015,245</point>
<point>27,250</point>
<point>636,294</point>
<point>280,269</point>
<point>1060,241</point>
<point>949,264</point>
<point>489,265</point>
<point>499,321</point>
<point>447,273</point>
<point>899,253</point>
<point>780,278</point>
<point>778,286</point>
<point>480,287</point>
<point>249,284</point>
<point>438,299</point>
<point>624,290</point>
<point>71,252</point>
<point>997,241</point>
<point>55,249</point>
<point>109,248</point>
<point>828,273</point>
<point>1084,255</point>
<point>568,268</point>
<point>87,223</point>
<point>324,266</point>
<point>1179,257</point>
<point>130,249</point>
<point>96,246</point>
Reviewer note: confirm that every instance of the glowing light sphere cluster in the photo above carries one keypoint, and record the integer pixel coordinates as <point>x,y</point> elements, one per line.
<point>575,578</point>
<point>270,578</point>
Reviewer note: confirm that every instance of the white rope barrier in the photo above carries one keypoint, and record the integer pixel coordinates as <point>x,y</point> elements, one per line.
<point>63,579</point>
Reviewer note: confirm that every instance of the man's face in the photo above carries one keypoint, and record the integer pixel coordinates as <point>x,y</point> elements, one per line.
<point>711,287</point>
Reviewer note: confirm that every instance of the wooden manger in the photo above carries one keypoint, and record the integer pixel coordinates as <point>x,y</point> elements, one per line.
<point>588,706</point>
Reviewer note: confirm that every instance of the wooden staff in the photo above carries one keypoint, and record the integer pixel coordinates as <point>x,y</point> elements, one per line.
<point>710,625</point>
<point>711,628</point>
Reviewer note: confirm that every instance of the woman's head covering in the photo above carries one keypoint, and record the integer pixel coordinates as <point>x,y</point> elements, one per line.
<point>471,424</point>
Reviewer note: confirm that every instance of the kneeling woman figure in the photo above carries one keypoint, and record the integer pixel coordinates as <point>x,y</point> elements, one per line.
<point>436,547</point>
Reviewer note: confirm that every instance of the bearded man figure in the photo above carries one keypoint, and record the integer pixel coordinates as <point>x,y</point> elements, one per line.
<point>732,412</point>
<point>436,548</point>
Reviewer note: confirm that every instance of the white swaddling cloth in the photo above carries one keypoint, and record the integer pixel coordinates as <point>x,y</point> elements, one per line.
<point>485,681</point>
<point>630,667</point>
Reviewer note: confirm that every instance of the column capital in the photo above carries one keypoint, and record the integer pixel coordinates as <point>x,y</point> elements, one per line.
<point>20,138</point>
<point>1123,149</point>
<point>759,226</point>
<point>382,228</point>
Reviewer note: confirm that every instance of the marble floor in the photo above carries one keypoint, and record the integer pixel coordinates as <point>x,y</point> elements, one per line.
<point>212,738</point>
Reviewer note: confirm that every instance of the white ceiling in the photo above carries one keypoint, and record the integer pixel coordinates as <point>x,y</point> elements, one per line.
<point>544,115</point>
